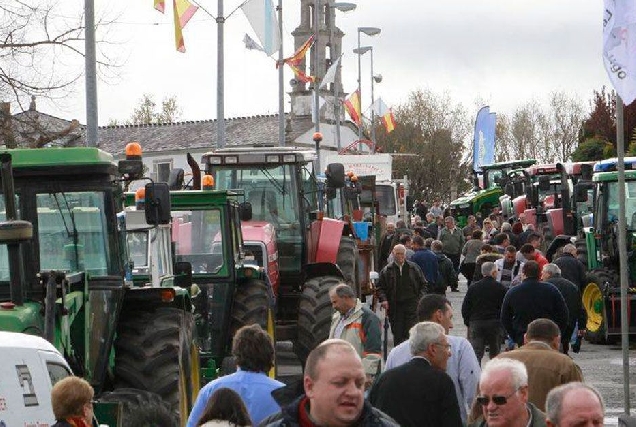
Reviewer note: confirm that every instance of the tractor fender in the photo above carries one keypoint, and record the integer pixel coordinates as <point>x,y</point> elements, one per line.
<point>318,269</point>
<point>556,243</point>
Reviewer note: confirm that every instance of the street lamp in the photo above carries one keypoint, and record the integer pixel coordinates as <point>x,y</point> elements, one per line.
<point>369,31</point>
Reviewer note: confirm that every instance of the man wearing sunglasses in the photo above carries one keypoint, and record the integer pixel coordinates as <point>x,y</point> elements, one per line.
<point>503,396</point>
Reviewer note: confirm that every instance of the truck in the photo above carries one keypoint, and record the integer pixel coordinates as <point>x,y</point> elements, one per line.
<point>599,248</point>
<point>488,188</point>
<point>62,277</point>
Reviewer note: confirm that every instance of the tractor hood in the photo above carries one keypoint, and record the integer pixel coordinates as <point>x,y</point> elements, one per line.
<point>474,195</point>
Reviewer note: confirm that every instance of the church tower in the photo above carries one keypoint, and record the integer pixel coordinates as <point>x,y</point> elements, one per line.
<point>329,46</point>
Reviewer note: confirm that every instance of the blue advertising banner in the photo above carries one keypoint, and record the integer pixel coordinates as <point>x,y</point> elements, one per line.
<point>484,140</point>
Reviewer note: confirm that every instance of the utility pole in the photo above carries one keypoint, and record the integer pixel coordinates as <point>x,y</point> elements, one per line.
<point>315,61</point>
<point>220,89</point>
<point>91,74</point>
<point>281,79</point>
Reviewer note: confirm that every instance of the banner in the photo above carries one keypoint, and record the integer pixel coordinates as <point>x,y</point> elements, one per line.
<point>160,5</point>
<point>330,75</point>
<point>262,17</point>
<point>484,140</point>
<point>385,114</point>
<point>619,47</point>
<point>183,11</point>
<point>352,105</point>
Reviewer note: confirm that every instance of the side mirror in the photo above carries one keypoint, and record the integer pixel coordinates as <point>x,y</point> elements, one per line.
<point>586,172</point>
<point>176,178</point>
<point>581,192</point>
<point>157,207</point>
<point>335,175</point>
<point>245,211</point>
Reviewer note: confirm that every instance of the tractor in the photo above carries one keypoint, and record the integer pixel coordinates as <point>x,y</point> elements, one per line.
<point>599,250</point>
<point>205,243</point>
<point>483,198</point>
<point>134,344</point>
<point>313,252</point>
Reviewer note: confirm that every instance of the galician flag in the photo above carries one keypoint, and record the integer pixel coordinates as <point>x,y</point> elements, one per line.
<point>352,105</point>
<point>262,17</point>
<point>619,46</point>
<point>183,11</point>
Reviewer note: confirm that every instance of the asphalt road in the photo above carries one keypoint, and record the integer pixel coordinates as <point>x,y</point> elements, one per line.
<point>602,365</point>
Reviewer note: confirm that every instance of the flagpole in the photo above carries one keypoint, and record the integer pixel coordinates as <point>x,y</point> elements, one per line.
<point>372,106</point>
<point>359,87</point>
<point>220,90</point>
<point>281,79</point>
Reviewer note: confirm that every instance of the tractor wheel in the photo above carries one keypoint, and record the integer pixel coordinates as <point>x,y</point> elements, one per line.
<point>152,352</point>
<point>314,315</point>
<point>581,250</point>
<point>252,305</point>
<point>141,408</point>
<point>594,305</point>
<point>347,261</point>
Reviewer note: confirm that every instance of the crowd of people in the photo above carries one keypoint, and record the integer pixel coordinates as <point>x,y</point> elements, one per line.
<point>519,308</point>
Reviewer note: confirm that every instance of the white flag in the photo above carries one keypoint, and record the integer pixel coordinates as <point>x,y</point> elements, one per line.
<point>330,75</point>
<point>262,17</point>
<point>251,44</point>
<point>619,47</point>
<point>379,107</point>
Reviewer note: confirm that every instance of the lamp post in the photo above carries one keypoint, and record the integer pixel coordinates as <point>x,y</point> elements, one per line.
<point>374,79</point>
<point>369,31</point>
<point>315,64</point>
<point>342,7</point>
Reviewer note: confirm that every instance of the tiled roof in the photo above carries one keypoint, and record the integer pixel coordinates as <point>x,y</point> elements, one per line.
<point>199,134</point>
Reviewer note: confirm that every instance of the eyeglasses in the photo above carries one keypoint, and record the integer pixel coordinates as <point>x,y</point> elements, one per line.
<point>497,400</point>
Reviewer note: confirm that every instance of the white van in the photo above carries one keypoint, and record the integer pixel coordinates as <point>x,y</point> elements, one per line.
<point>29,366</point>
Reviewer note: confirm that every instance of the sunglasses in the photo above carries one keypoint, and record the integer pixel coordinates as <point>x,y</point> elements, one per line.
<point>497,400</point>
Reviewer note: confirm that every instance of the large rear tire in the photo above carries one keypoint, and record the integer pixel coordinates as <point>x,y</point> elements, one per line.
<point>252,305</point>
<point>141,408</point>
<point>594,305</point>
<point>347,261</point>
<point>152,352</point>
<point>314,315</point>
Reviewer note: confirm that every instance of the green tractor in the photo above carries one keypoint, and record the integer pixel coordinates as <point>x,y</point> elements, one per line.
<point>205,244</point>
<point>483,198</point>
<point>134,344</point>
<point>599,249</point>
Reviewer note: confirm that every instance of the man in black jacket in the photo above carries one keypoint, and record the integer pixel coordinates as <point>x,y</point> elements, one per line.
<point>419,393</point>
<point>400,287</point>
<point>571,267</point>
<point>481,309</point>
<point>530,300</point>
<point>552,274</point>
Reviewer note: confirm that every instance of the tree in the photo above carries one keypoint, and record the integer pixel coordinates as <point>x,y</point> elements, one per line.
<point>595,148</point>
<point>145,112</point>
<point>532,132</point>
<point>429,145</point>
<point>39,47</point>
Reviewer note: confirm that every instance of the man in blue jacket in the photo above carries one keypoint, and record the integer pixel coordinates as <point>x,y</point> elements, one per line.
<point>532,299</point>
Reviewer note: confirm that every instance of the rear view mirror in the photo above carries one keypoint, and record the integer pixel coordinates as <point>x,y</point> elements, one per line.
<point>335,175</point>
<point>157,207</point>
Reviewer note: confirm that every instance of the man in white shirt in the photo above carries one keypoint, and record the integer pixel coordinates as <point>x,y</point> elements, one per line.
<point>462,366</point>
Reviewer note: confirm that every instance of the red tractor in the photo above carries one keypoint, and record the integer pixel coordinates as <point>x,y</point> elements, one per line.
<point>309,252</point>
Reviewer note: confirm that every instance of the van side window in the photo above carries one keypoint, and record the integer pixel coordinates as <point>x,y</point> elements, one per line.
<point>26,382</point>
<point>57,372</point>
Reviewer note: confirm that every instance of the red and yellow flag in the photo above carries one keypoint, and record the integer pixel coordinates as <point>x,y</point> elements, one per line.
<point>183,11</point>
<point>160,5</point>
<point>388,121</point>
<point>294,60</point>
<point>352,105</point>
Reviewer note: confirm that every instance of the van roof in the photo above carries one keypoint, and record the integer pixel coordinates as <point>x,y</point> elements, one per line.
<point>18,340</point>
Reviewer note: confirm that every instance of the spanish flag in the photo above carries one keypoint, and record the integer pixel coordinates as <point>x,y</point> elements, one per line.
<point>352,105</point>
<point>298,56</point>
<point>183,11</point>
<point>388,121</point>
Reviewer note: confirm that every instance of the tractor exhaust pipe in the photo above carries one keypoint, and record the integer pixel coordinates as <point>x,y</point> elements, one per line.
<point>13,246</point>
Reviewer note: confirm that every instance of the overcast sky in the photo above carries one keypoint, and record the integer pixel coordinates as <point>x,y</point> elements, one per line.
<point>499,52</point>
